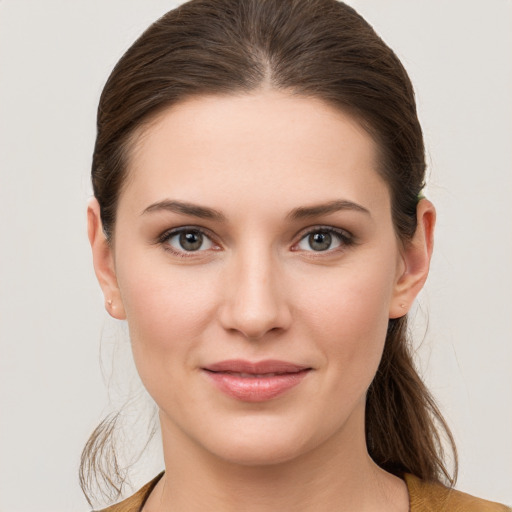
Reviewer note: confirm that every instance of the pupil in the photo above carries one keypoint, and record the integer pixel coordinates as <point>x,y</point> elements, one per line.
<point>191,241</point>
<point>320,241</point>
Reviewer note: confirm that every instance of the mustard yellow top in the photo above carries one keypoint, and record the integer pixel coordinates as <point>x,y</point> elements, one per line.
<point>423,497</point>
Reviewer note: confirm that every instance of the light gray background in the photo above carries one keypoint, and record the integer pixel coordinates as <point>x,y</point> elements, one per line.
<point>54,59</point>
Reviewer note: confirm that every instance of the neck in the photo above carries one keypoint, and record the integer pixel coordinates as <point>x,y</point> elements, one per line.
<point>337,475</point>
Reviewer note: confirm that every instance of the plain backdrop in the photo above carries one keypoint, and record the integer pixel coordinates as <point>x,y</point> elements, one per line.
<point>54,59</point>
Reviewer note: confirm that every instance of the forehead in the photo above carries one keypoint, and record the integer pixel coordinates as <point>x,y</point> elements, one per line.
<point>265,146</point>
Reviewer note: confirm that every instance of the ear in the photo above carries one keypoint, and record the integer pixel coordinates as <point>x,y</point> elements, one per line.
<point>416,255</point>
<point>103,260</point>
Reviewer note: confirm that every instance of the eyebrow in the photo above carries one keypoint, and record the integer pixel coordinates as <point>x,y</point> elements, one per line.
<point>185,209</point>
<point>299,213</point>
<point>304,212</point>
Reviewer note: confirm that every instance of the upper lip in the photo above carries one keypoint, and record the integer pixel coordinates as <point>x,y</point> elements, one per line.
<point>260,367</point>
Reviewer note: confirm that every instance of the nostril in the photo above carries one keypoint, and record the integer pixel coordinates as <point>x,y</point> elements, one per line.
<point>254,304</point>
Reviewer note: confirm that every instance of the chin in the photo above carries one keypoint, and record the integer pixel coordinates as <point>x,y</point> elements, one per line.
<point>261,452</point>
<point>263,443</point>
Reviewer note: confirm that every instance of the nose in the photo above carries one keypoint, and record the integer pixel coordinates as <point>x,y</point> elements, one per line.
<point>255,301</point>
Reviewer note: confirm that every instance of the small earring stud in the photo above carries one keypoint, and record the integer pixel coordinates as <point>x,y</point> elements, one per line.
<point>402,306</point>
<point>109,302</point>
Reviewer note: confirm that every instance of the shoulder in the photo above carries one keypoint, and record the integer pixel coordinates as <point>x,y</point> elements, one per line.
<point>434,497</point>
<point>134,503</point>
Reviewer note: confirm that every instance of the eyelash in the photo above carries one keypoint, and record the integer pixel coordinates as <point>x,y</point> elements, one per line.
<point>345,238</point>
<point>164,238</point>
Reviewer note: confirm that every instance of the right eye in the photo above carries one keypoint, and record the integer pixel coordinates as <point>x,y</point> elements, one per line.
<point>186,240</point>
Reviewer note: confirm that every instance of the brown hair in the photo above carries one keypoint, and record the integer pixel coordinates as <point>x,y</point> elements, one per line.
<point>316,48</point>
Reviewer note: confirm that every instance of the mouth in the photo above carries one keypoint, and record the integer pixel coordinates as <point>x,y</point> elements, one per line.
<point>255,382</point>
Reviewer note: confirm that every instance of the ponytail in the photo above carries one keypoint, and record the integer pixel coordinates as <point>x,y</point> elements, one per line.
<point>404,427</point>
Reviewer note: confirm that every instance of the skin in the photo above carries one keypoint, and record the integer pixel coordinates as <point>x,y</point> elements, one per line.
<point>257,289</point>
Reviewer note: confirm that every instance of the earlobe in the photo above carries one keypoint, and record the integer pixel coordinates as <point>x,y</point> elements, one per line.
<point>416,257</point>
<point>103,260</point>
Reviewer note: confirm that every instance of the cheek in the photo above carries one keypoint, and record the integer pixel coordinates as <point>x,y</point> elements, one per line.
<point>168,310</point>
<point>348,313</point>
<point>347,300</point>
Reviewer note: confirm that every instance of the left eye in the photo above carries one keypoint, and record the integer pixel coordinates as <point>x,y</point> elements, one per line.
<point>189,240</point>
<point>321,240</point>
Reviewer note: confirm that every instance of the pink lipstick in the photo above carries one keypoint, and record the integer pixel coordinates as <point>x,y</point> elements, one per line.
<point>255,382</point>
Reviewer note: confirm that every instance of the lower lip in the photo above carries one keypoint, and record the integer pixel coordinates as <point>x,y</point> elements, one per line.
<point>256,389</point>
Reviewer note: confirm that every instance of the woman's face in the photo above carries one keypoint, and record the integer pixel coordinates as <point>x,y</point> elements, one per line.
<point>256,262</point>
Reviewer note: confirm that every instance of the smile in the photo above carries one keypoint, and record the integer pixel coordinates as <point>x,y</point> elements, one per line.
<point>255,382</point>
<point>254,375</point>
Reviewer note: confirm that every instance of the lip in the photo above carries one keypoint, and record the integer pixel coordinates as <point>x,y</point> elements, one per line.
<point>255,381</point>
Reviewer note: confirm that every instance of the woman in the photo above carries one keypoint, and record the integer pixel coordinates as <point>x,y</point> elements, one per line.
<point>258,221</point>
